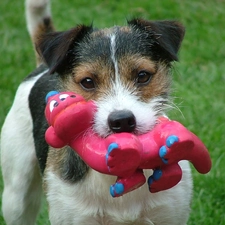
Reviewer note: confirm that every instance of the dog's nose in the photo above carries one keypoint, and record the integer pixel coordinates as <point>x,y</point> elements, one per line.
<point>122,121</point>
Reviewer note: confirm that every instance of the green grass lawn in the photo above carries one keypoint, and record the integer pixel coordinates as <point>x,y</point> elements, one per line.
<point>199,77</point>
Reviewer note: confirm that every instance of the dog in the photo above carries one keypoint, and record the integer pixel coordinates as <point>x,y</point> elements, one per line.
<point>123,69</point>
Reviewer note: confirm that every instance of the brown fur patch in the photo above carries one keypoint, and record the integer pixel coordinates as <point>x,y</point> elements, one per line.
<point>54,159</point>
<point>129,67</point>
<point>98,71</point>
<point>43,28</point>
<point>66,164</point>
<point>108,31</point>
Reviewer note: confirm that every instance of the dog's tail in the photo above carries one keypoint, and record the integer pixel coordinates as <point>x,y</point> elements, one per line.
<point>39,21</point>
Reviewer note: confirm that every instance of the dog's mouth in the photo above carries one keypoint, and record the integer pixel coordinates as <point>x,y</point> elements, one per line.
<point>138,121</point>
<point>125,125</point>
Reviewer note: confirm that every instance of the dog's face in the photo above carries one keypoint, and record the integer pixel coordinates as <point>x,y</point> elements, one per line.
<point>125,70</point>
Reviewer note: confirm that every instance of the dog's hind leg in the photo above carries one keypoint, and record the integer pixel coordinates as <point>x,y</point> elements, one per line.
<point>39,21</point>
<point>21,198</point>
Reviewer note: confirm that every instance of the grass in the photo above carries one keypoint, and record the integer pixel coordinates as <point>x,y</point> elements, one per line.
<point>199,77</point>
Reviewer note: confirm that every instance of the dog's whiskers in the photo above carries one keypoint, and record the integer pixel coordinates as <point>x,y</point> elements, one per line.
<point>162,105</point>
<point>172,105</point>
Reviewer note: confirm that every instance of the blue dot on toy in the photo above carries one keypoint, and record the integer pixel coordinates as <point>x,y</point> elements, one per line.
<point>171,140</point>
<point>116,189</point>
<point>111,147</point>
<point>50,94</point>
<point>162,153</point>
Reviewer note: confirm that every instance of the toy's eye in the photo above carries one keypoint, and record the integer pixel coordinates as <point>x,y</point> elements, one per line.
<point>52,105</point>
<point>63,97</point>
<point>143,77</point>
<point>87,84</point>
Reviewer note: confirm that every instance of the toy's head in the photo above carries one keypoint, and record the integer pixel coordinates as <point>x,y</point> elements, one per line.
<point>68,113</point>
<point>57,102</point>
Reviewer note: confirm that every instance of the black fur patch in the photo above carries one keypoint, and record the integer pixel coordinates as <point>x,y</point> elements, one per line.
<point>55,48</point>
<point>37,105</point>
<point>164,37</point>
<point>73,168</point>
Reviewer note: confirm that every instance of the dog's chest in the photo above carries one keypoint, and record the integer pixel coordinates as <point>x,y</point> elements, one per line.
<point>89,202</point>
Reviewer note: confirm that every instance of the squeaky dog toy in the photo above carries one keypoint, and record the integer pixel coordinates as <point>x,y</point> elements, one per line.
<point>124,155</point>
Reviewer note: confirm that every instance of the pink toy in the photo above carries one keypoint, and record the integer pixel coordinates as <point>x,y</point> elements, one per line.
<point>124,155</point>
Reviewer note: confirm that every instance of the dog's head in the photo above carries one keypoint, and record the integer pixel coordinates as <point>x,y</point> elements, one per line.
<point>125,70</point>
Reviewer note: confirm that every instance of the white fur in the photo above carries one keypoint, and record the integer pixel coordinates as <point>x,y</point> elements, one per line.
<point>22,182</point>
<point>89,202</point>
<point>113,57</point>
<point>119,98</point>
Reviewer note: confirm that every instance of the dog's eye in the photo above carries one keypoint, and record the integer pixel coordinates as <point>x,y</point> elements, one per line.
<point>143,77</point>
<point>88,84</point>
<point>52,105</point>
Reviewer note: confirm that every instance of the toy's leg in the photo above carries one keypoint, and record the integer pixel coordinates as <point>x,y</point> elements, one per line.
<point>118,154</point>
<point>164,178</point>
<point>125,185</point>
<point>176,149</point>
<point>166,147</point>
<point>123,158</point>
<point>186,146</point>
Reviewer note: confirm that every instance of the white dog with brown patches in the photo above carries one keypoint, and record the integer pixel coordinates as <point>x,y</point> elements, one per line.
<point>123,69</point>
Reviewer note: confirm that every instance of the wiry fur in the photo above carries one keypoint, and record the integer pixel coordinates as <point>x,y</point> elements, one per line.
<point>88,202</point>
<point>112,59</point>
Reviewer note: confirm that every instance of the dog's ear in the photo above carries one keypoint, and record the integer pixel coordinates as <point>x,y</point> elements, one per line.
<point>55,48</point>
<point>167,36</point>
